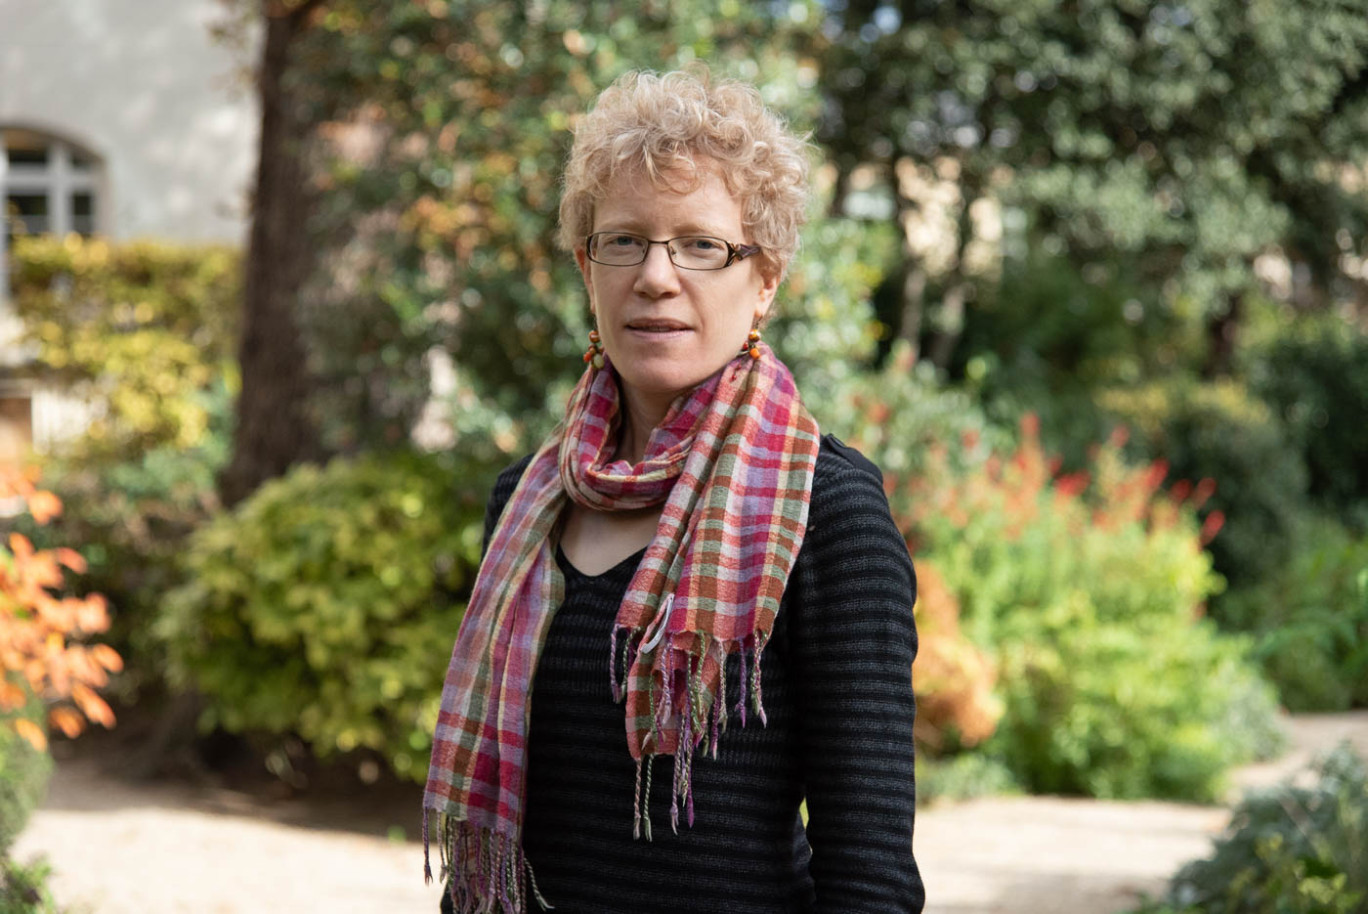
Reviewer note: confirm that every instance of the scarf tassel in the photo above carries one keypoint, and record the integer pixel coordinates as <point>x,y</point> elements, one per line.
<point>484,870</point>
<point>699,729</point>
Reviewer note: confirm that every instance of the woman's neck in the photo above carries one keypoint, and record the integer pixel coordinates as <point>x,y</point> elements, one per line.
<point>640,416</point>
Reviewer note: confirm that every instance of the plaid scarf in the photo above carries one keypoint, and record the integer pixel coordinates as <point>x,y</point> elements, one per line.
<point>733,463</point>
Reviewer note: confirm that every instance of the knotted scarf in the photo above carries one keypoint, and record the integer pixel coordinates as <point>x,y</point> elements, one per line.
<point>733,462</point>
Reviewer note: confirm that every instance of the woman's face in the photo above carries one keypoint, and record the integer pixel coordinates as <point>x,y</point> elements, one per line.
<point>667,328</point>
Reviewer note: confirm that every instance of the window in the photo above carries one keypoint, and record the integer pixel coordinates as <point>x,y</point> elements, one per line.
<point>46,184</point>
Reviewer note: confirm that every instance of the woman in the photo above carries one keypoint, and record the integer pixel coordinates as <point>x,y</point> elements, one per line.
<point>709,601</point>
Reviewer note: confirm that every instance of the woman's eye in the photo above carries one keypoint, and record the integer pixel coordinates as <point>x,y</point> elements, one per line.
<point>621,241</point>
<point>703,245</point>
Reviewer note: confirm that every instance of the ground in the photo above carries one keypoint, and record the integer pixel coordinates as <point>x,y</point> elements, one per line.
<point>120,846</point>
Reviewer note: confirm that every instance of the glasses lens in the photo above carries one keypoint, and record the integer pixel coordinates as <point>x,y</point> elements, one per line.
<point>617,249</point>
<point>699,252</point>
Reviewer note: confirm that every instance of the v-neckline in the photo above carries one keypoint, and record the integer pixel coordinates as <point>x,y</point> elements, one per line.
<point>568,566</point>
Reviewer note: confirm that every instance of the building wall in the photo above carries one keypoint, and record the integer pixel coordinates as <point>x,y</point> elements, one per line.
<point>144,86</point>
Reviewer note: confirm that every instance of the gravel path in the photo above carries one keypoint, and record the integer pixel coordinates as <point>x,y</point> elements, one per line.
<point>130,848</point>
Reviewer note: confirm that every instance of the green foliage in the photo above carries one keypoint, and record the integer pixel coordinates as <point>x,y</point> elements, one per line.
<point>24,772</point>
<point>1310,619</point>
<point>440,197</point>
<point>143,331</point>
<point>23,888</point>
<point>131,520</point>
<point>962,777</point>
<point>1113,711</point>
<point>325,604</point>
<point>824,328</point>
<point>1314,374</point>
<point>146,333</point>
<point>1047,337</point>
<point>1186,138</point>
<point>1087,591</point>
<point>901,414</point>
<point>1219,431</point>
<point>1289,850</point>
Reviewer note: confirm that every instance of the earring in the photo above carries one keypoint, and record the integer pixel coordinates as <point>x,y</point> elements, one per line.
<point>751,345</point>
<point>594,354</point>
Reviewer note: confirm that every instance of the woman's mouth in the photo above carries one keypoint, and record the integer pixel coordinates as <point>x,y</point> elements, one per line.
<point>660,326</point>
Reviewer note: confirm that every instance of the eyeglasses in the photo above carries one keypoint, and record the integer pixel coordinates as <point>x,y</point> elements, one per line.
<point>689,252</point>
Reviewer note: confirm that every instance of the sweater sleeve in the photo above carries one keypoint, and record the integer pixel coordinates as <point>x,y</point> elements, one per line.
<point>508,480</point>
<point>853,640</point>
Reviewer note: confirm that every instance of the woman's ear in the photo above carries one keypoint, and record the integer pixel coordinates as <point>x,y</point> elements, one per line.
<point>768,287</point>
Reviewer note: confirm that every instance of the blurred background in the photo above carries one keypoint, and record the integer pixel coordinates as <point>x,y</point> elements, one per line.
<point>1088,280</point>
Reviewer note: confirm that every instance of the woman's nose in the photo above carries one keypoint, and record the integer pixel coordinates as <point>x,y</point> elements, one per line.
<point>657,274</point>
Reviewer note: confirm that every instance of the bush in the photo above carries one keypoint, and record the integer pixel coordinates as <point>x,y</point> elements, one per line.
<point>41,659</point>
<point>140,330</point>
<point>899,415</point>
<point>1315,376</point>
<point>132,520</point>
<point>326,603</point>
<point>963,777</point>
<point>145,333</point>
<point>23,888</point>
<point>1221,432</point>
<point>24,772</point>
<point>1086,590</point>
<point>45,676</point>
<point>1311,621</point>
<point>1288,850</point>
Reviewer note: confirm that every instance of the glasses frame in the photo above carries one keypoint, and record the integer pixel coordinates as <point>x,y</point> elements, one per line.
<point>735,252</point>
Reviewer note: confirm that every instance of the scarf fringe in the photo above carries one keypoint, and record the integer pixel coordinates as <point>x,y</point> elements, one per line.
<point>701,728</point>
<point>483,869</point>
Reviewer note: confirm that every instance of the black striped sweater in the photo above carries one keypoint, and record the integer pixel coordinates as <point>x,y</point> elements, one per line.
<point>836,682</point>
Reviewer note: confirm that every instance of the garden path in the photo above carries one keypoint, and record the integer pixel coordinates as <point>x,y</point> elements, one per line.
<point>120,847</point>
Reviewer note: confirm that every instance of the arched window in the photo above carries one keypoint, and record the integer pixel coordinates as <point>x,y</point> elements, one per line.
<point>47,184</point>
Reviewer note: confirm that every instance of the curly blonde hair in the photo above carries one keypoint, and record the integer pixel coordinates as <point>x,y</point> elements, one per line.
<point>660,125</point>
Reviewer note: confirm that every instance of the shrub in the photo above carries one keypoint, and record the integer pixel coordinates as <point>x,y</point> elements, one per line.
<point>24,772</point>
<point>132,520</point>
<point>1288,850</point>
<point>23,888</point>
<point>39,658</point>
<point>1219,431</point>
<point>44,675</point>
<point>1315,376</point>
<point>140,330</point>
<point>325,605</point>
<point>902,413</point>
<point>953,679</point>
<point>1310,620</point>
<point>1087,592</point>
<point>145,333</point>
<point>962,777</point>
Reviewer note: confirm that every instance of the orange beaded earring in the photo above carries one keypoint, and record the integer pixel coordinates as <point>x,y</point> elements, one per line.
<point>594,354</point>
<point>751,345</point>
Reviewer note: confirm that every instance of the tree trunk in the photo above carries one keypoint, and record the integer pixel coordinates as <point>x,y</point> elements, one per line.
<point>1222,333</point>
<point>913,288</point>
<point>274,426</point>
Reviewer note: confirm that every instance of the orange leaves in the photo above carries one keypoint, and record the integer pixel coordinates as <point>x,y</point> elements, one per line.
<point>31,732</point>
<point>953,680</point>
<point>67,720</point>
<point>17,482</point>
<point>44,506</point>
<point>37,655</point>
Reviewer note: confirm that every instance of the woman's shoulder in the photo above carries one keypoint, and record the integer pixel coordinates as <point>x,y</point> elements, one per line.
<point>849,509</point>
<point>837,460</point>
<point>510,475</point>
